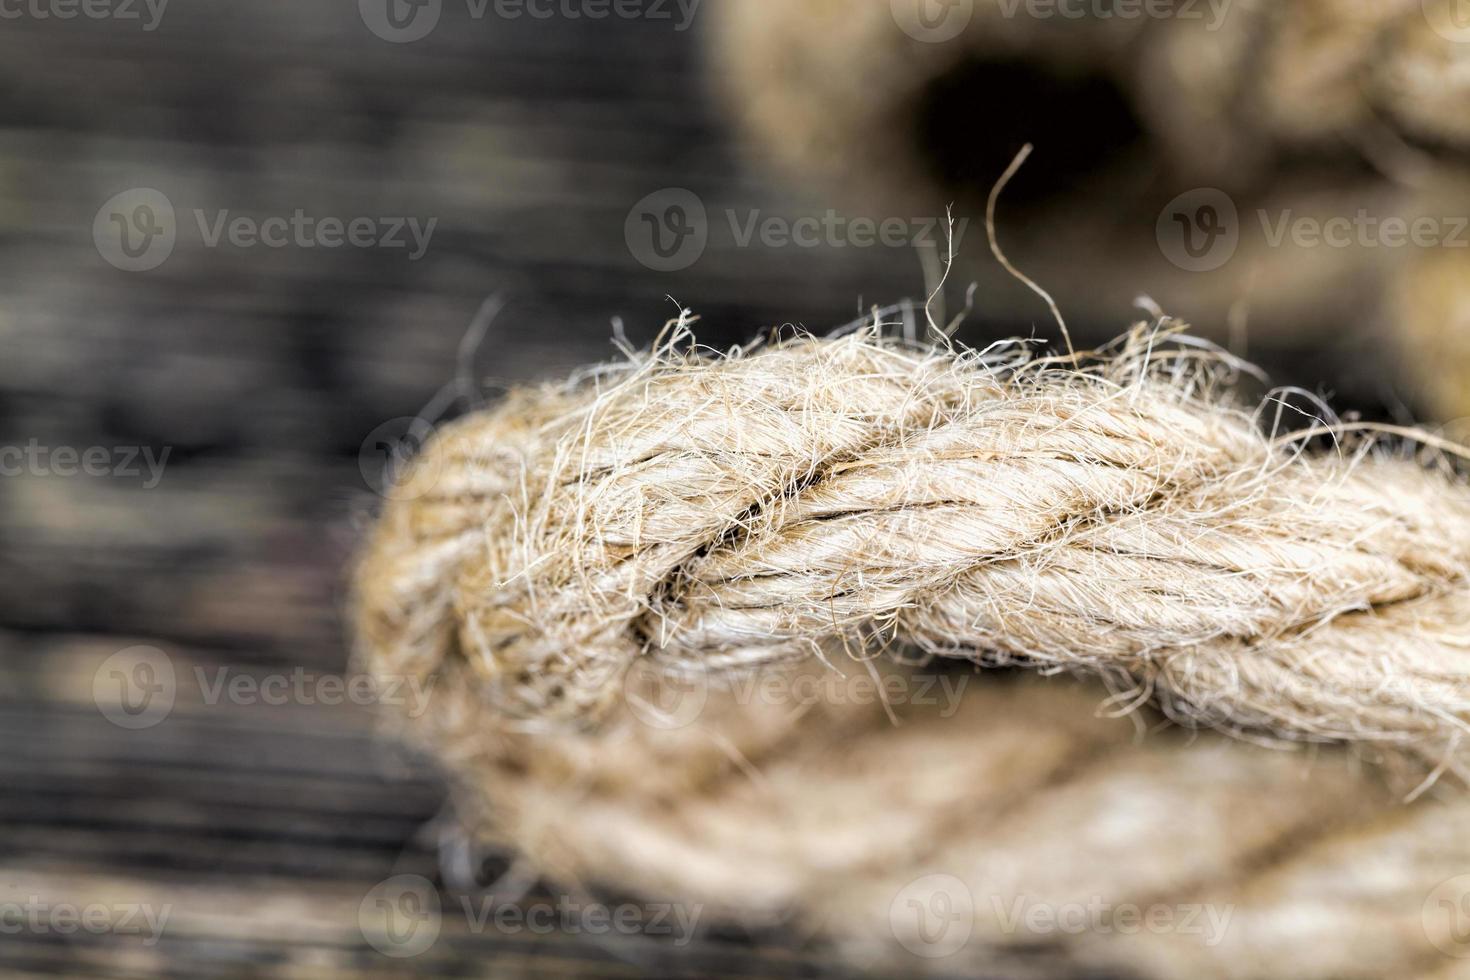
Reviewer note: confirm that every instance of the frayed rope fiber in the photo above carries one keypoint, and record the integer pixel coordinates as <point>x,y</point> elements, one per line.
<point>1119,514</point>
<point>551,569</point>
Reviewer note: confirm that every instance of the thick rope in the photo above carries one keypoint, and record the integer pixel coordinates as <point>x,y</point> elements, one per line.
<point>785,514</point>
<point>1119,515</point>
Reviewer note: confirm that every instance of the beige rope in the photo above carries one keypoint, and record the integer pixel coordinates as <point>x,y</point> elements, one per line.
<point>806,506</point>
<point>1121,516</point>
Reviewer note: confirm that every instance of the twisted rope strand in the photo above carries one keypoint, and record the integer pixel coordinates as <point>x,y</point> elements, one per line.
<point>1117,514</point>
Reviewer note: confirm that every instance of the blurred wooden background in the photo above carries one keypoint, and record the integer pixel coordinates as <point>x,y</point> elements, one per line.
<point>262,372</point>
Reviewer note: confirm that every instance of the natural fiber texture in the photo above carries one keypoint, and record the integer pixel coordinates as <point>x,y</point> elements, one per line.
<point>804,507</point>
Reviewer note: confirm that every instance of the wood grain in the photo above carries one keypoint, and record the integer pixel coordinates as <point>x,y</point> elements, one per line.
<point>261,372</point>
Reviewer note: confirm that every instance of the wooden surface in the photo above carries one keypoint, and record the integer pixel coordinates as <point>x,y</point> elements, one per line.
<point>261,372</point>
